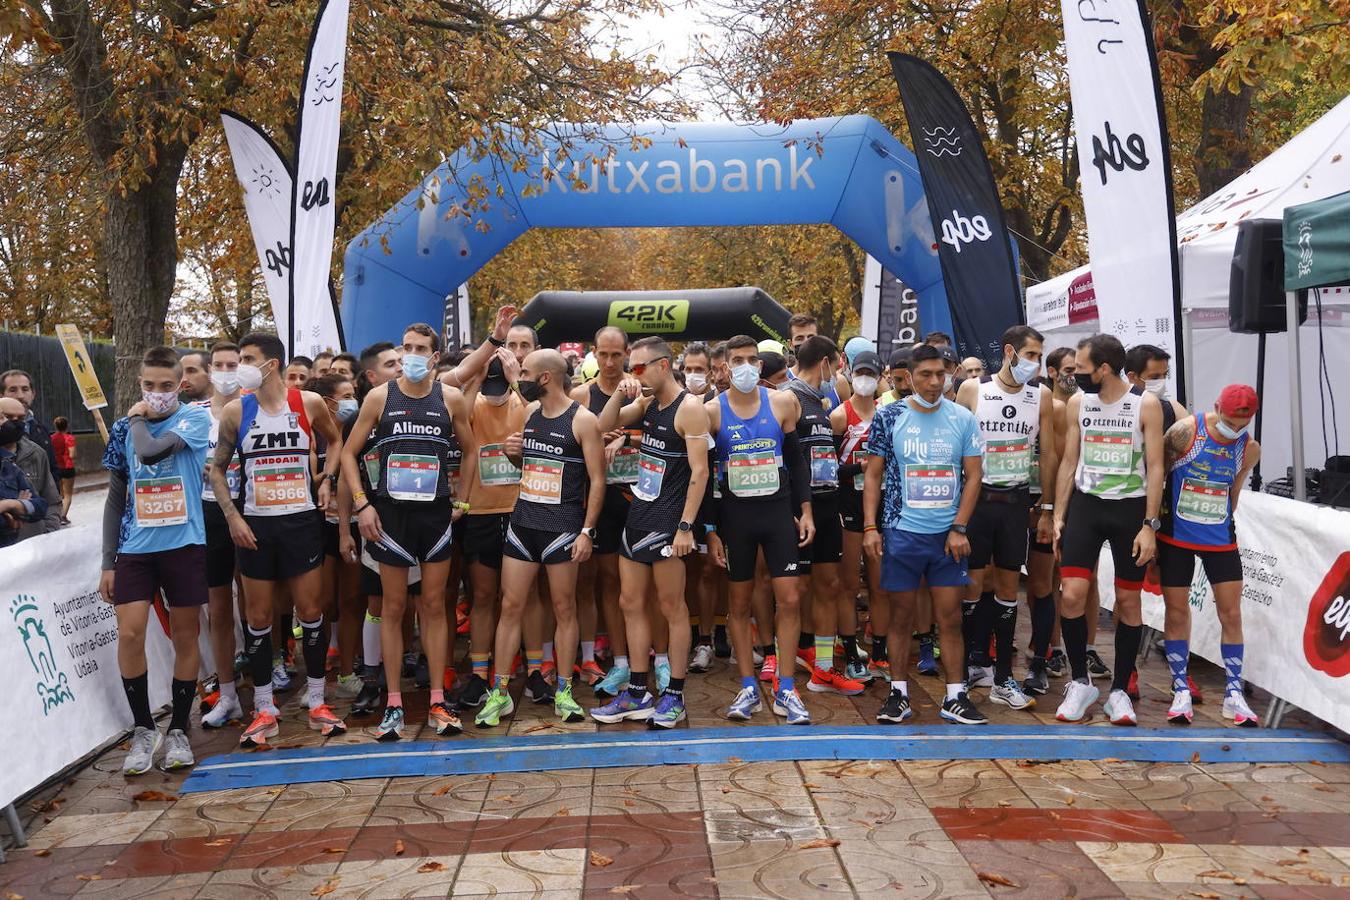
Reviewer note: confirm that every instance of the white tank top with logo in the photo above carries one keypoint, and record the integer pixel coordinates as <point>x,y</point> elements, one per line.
<point>1010,423</point>
<point>1111,447</point>
<point>275,451</point>
<point>231,474</point>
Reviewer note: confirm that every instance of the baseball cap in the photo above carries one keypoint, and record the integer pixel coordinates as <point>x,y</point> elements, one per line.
<point>855,345</point>
<point>769,345</point>
<point>900,358</point>
<point>494,385</point>
<point>949,355</point>
<point>1238,400</point>
<point>771,363</point>
<point>867,360</point>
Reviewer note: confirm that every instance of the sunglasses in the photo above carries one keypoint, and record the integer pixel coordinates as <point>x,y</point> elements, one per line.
<point>639,368</point>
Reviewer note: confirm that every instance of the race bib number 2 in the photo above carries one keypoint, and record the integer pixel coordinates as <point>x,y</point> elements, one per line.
<point>651,472</point>
<point>160,502</point>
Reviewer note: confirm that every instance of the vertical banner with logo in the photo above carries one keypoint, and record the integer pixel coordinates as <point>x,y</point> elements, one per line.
<point>973,244</point>
<point>1121,133</point>
<point>458,327</point>
<point>265,178</point>
<point>313,323</point>
<point>890,309</point>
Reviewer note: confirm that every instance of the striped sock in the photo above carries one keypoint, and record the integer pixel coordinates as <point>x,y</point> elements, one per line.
<point>825,652</point>
<point>534,660</point>
<point>1178,654</point>
<point>480,662</point>
<point>1232,666</point>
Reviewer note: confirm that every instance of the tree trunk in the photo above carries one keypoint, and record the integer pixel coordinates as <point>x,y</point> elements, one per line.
<point>1225,145</point>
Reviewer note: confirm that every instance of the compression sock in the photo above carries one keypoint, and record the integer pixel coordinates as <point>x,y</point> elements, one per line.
<point>970,611</point>
<point>824,652</point>
<point>851,647</point>
<point>371,653</point>
<point>258,648</point>
<point>1042,624</point>
<point>879,652</point>
<point>1074,632</point>
<point>183,692</point>
<point>1128,638</point>
<point>986,614</point>
<point>1232,666</point>
<point>1178,655</point>
<point>1005,627</point>
<point>314,647</point>
<point>805,640</point>
<point>138,698</point>
<point>637,684</point>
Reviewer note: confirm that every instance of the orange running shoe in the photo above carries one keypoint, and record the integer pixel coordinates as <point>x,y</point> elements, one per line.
<point>323,720</point>
<point>264,726</point>
<point>806,659</point>
<point>591,673</point>
<point>769,671</point>
<point>828,681</point>
<point>549,670</point>
<point>441,718</point>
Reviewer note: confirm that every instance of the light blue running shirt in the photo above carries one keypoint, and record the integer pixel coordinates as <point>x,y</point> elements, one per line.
<point>164,501</point>
<point>924,454</point>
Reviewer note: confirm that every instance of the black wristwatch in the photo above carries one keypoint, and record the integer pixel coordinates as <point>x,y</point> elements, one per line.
<point>1155,524</point>
<point>685,527</point>
<point>959,529</point>
<point>496,343</point>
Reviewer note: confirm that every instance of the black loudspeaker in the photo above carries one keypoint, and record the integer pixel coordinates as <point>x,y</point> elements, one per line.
<point>1256,282</point>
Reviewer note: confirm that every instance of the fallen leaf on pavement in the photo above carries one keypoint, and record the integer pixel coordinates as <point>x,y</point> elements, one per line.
<point>1324,788</point>
<point>600,860</point>
<point>1025,764</point>
<point>726,789</point>
<point>432,866</point>
<point>629,803</point>
<point>1318,877</point>
<point>1195,757</point>
<point>535,728</point>
<point>623,889</point>
<point>442,790</point>
<point>507,798</point>
<point>43,853</point>
<point>334,849</point>
<point>1005,803</point>
<point>1070,800</point>
<point>995,878</point>
<point>1316,762</point>
<point>327,887</point>
<point>1204,895</point>
<point>1286,862</point>
<point>734,759</point>
<point>398,848</point>
<point>89,877</point>
<point>1109,759</point>
<point>1266,798</point>
<point>1218,873</point>
<point>219,842</point>
<point>819,842</point>
<point>155,797</point>
<point>811,786</point>
<point>563,811</point>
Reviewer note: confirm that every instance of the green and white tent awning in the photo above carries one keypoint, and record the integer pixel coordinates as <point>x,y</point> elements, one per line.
<point>1317,243</point>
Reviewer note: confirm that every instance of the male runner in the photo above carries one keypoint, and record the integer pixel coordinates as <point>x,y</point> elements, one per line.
<point>409,520</point>
<point>897,374</point>
<point>672,476</point>
<point>298,372</point>
<point>1013,411</point>
<point>323,362</point>
<point>1043,576</point>
<point>1112,481</point>
<point>932,453</point>
<point>701,584</point>
<point>196,385</point>
<point>279,535</point>
<point>562,486</point>
<point>1208,457</point>
<point>346,364</point>
<point>153,541</point>
<point>521,341</point>
<point>765,506</point>
<point>801,327</point>
<point>832,613</point>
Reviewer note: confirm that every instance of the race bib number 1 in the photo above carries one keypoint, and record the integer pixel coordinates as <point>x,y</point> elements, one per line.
<point>160,502</point>
<point>541,481</point>
<point>753,474</point>
<point>1108,451</point>
<point>651,472</point>
<point>1203,502</point>
<point>410,476</point>
<point>930,486</point>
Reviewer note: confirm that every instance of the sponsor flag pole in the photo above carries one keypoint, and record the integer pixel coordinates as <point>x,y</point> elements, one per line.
<point>973,243</point>
<point>1121,132</point>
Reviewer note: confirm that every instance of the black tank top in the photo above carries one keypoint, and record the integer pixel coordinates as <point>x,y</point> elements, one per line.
<point>553,479</point>
<point>817,439</point>
<point>414,440</point>
<point>663,471</point>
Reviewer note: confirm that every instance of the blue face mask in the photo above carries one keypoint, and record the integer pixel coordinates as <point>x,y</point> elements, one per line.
<point>745,377</point>
<point>346,409</point>
<point>1025,369</point>
<point>415,368</point>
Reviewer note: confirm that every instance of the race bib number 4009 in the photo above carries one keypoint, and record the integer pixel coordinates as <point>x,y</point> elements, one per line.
<point>541,481</point>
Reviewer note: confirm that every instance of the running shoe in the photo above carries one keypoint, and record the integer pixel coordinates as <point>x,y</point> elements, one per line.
<point>240,664</point>
<point>979,677</point>
<point>769,671</point>
<point>471,694</point>
<point>745,705</point>
<point>443,720</point>
<point>223,713</point>
<point>1056,665</point>
<point>625,706</point>
<point>323,720</point>
<point>368,700</point>
<point>857,670</point>
<point>281,679</point>
<point>1235,707</point>
<point>177,751</point>
<point>880,668</point>
<point>662,677</point>
<point>263,726</point>
<point>145,743</point>
<point>349,686</point>
<point>1097,668</point>
<point>497,704</point>
<point>613,684</point>
<point>591,673</point>
<point>1196,697</point>
<point>927,659</point>
<point>896,709</point>
<point>1119,709</point>
<point>1132,689</point>
<point>422,674</point>
<point>669,711</point>
<point>806,659</point>
<point>721,646</point>
<point>828,681</point>
<point>565,707</point>
<point>961,710</point>
<point>1011,695</point>
<point>209,693</point>
<point>1036,681</point>
<point>1078,696</point>
<point>549,669</point>
<point>409,664</point>
<point>538,689</point>
<point>702,659</point>
<point>331,661</point>
<point>789,705</point>
<point>1181,711</point>
<point>602,647</point>
<point>390,728</point>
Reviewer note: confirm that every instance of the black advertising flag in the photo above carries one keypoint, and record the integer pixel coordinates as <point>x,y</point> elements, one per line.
<point>978,268</point>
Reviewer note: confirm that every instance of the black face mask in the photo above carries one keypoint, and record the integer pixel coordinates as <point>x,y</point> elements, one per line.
<point>1086,384</point>
<point>529,390</point>
<point>10,432</point>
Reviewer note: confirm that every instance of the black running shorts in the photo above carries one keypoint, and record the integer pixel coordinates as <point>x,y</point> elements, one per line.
<point>220,557</point>
<point>287,546</point>
<point>828,544</point>
<point>749,526</point>
<point>1092,521</point>
<point>647,547</point>
<point>535,546</point>
<point>180,573</point>
<point>998,533</point>
<point>413,533</point>
<point>1176,565</point>
<point>484,537</point>
<point>613,519</point>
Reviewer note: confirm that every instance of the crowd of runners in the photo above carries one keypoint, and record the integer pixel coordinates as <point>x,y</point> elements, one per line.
<point>621,519</point>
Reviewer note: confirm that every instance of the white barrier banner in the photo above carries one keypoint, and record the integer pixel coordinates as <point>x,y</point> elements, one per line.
<point>58,657</point>
<point>1295,603</point>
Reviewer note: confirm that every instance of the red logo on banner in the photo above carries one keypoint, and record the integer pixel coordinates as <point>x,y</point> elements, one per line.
<point>1325,642</point>
<point>1082,299</point>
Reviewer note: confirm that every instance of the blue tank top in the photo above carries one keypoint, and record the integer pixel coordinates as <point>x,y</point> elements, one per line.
<point>1199,514</point>
<point>750,453</point>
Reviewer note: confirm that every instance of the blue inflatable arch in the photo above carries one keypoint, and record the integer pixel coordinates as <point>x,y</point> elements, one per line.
<point>849,172</point>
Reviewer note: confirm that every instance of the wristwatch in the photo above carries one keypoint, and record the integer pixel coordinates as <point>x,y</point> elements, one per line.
<point>1155,524</point>
<point>496,343</point>
<point>1047,507</point>
<point>685,526</point>
<point>958,528</point>
<point>589,531</point>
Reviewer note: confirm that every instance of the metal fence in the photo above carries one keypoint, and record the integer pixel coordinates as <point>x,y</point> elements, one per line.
<point>57,393</point>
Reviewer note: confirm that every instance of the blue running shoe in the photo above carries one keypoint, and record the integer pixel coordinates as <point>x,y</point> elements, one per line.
<point>745,705</point>
<point>625,706</point>
<point>669,711</point>
<point>927,662</point>
<point>789,705</point>
<point>662,677</point>
<point>613,683</point>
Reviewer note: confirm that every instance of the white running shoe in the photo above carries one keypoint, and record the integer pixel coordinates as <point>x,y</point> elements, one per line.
<point>1181,711</point>
<point>145,742</point>
<point>1235,707</point>
<point>702,659</point>
<point>979,677</point>
<point>1119,709</point>
<point>281,679</point>
<point>1077,698</point>
<point>348,686</point>
<point>177,751</point>
<point>1011,695</point>
<point>221,714</point>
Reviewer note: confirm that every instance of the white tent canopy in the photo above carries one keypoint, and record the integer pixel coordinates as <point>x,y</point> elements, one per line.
<point>1313,165</point>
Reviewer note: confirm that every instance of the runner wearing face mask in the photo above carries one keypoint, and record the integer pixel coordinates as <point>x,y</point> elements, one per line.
<point>702,589</point>
<point>1209,457</point>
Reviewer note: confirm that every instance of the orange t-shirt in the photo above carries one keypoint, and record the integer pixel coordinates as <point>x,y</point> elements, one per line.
<point>498,482</point>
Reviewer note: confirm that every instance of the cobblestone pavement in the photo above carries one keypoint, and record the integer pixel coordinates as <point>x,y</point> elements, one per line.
<point>961,828</point>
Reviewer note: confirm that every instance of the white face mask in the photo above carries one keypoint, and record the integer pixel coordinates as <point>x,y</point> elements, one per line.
<point>226,383</point>
<point>864,385</point>
<point>1025,369</point>
<point>160,402</point>
<point>947,382</point>
<point>250,377</point>
<point>1157,387</point>
<point>745,377</point>
<point>1229,434</point>
<point>918,398</point>
<point>696,382</point>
